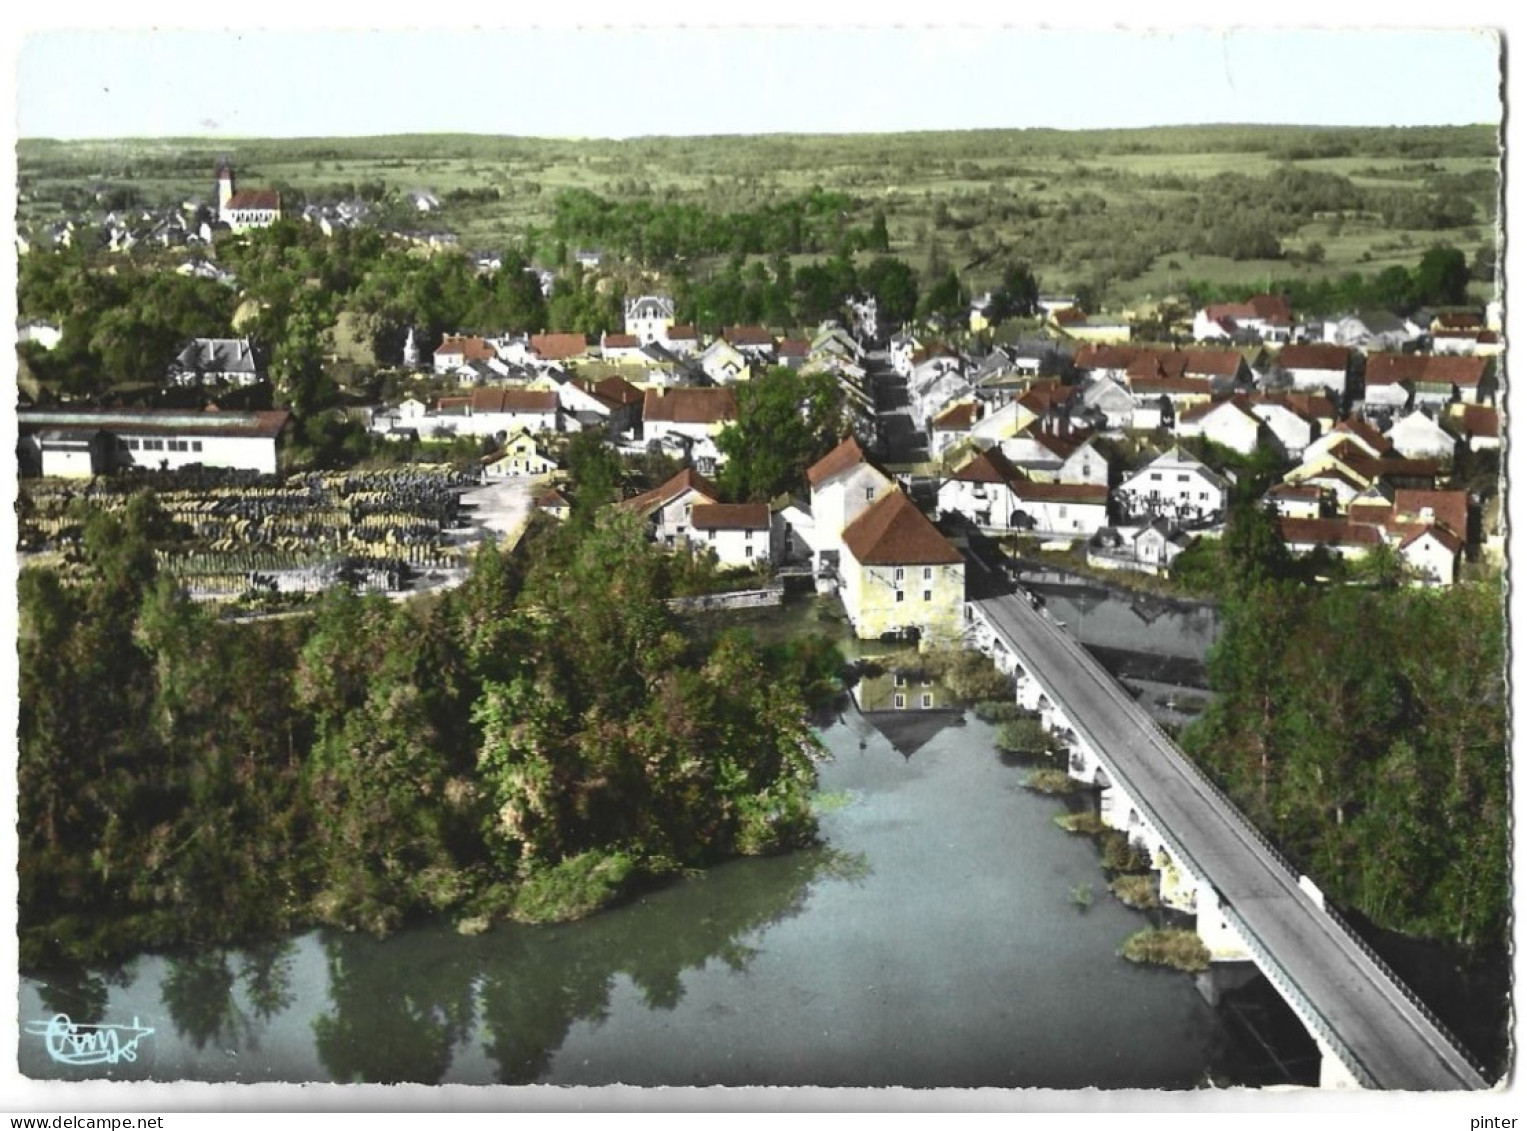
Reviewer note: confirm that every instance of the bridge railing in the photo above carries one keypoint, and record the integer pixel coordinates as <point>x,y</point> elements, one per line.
<point>1233,811</point>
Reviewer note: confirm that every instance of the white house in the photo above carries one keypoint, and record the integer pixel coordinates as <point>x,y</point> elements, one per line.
<point>1177,486</point>
<point>739,534</point>
<point>216,361</point>
<point>45,334</point>
<point>1151,548</point>
<point>648,317</point>
<point>689,420</point>
<point>724,364</point>
<point>1313,367</point>
<point>1432,552</point>
<point>1228,423</point>
<point>455,351</point>
<point>669,508</point>
<point>1370,330</point>
<point>1085,465</point>
<point>1419,436</point>
<point>843,485</point>
<point>1265,316</point>
<point>1107,401</point>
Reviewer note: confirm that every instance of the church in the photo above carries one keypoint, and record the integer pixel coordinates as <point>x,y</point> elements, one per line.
<point>252,208</point>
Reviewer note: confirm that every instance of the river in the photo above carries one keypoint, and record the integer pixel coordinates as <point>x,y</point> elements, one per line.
<point>932,940</point>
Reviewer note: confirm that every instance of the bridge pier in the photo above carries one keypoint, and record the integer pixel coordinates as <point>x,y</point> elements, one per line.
<point>1223,977</point>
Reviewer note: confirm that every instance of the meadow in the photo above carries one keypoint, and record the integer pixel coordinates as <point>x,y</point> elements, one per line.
<point>1126,214</point>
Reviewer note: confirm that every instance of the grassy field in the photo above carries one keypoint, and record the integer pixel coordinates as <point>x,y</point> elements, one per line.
<point>1077,205</point>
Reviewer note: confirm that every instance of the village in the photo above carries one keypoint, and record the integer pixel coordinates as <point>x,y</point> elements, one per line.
<point>1119,437</point>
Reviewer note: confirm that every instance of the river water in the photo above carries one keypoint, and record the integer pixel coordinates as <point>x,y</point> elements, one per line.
<point>934,939</point>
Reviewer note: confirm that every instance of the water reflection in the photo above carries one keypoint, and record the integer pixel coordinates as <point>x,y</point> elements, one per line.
<point>81,994</point>
<point>198,993</point>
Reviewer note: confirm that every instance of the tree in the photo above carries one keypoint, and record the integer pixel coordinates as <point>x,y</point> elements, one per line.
<point>784,423</point>
<point>1017,297</point>
<point>893,284</point>
<point>946,298</point>
<point>1442,277</point>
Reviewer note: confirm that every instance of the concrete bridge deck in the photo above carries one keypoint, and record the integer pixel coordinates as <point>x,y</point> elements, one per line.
<point>1375,1025</point>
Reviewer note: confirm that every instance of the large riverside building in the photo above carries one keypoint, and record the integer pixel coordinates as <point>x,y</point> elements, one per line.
<point>88,442</point>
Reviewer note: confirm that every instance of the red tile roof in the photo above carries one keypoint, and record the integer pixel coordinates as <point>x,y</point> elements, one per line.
<point>1061,492</point>
<point>1212,363</point>
<point>618,390</point>
<point>1450,508</point>
<point>730,516</point>
<point>846,456</point>
<point>551,499</point>
<point>1170,386</point>
<point>1361,430</point>
<point>1315,356</point>
<point>1328,532</point>
<point>256,199</point>
<point>1105,356</point>
<point>687,480</point>
<point>794,347</point>
<point>1478,420</point>
<point>620,342</point>
<point>1449,540</point>
<point>748,336</point>
<point>690,406</point>
<point>892,531</point>
<point>558,347</point>
<point>513,400</point>
<point>1457,320</point>
<point>683,334</point>
<point>1389,368</point>
<point>155,422</point>
<point>1268,308</point>
<point>471,349</point>
<point>989,466</point>
<point>956,418</point>
<point>1157,363</point>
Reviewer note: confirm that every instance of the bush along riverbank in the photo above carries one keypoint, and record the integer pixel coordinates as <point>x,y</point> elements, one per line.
<point>532,745</point>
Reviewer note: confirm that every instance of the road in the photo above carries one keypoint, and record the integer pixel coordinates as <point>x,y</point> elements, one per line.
<point>1389,1035</point>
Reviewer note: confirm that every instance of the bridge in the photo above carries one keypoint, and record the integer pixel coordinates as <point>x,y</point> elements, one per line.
<point>1250,904</point>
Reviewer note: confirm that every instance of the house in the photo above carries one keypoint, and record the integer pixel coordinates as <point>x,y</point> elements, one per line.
<point>902,348</point>
<point>257,208</point>
<point>900,576</point>
<point>1106,403</point>
<point>739,534</point>
<point>724,363</point>
<point>1476,425</point>
<point>992,493</point>
<point>216,361</point>
<point>519,454</point>
<point>1426,380</point>
<point>793,352</point>
<point>1266,317</point>
<point>1336,536</point>
<point>689,420</point>
<point>495,412</point>
<point>1159,400</point>
<point>1289,500</point>
<point>1229,423</point>
<point>1096,328</point>
<point>454,351</point>
<point>1151,548</point>
<point>588,257</point>
<point>980,310</point>
<point>82,442</point>
<point>618,348</point>
<point>1103,360</point>
<point>669,507</point>
<point>649,317</point>
<point>683,341</point>
<point>1176,486</point>
<point>1314,367</point>
<point>797,528</point>
<point>1294,419</point>
<point>553,502</point>
<point>754,342</point>
<point>1432,554</point>
<point>951,427</point>
<point>559,347</point>
<point>1085,464</point>
<point>1419,436</point>
<point>844,483</point>
<point>1370,330</point>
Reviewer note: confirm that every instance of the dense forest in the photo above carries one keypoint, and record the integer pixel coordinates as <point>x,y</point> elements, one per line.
<point>1364,729</point>
<point>529,745</point>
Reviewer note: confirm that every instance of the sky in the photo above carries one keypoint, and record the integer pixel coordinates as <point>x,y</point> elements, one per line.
<point>593,81</point>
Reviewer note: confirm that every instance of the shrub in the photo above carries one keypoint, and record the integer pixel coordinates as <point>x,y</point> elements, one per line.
<point>999,711</point>
<point>968,676</point>
<point>1179,949</point>
<point>1086,823</point>
<point>1136,891</point>
<point>572,888</point>
<point>1050,781</point>
<point>1023,736</point>
<point>1122,857</point>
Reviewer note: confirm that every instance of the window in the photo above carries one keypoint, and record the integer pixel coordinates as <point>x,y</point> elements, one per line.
<point>901,702</point>
<point>748,534</point>
<point>899,679</point>
<point>1182,477</point>
<point>927,573</point>
<point>132,445</point>
<point>1062,512</point>
<point>901,574</point>
<point>927,701</point>
<point>1155,477</point>
<point>747,551</point>
<point>1203,496</point>
<point>927,594</point>
<point>869,494</point>
<point>901,596</point>
<point>711,534</point>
